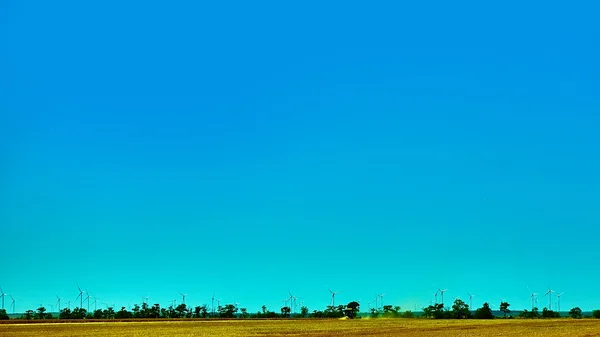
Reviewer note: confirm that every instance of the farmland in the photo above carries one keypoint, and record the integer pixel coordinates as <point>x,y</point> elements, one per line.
<point>364,327</point>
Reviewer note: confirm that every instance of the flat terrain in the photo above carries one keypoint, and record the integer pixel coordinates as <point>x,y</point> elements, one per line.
<point>321,328</point>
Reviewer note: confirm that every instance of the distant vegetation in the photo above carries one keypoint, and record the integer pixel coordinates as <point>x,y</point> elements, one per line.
<point>459,310</point>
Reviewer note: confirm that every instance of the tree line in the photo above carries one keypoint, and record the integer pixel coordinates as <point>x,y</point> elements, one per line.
<point>459,310</point>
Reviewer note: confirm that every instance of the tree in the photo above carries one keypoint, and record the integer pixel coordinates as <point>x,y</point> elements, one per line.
<point>29,314</point>
<point>78,313</point>
<point>3,314</point>
<point>352,309</point>
<point>460,309</point>
<point>596,313</point>
<point>109,313</point>
<point>123,313</point>
<point>181,310</point>
<point>435,311</point>
<point>549,313</point>
<point>575,312</point>
<point>41,313</point>
<point>484,312</point>
<point>228,311</point>
<point>504,308</point>
<point>98,314</point>
<point>65,314</point>
<point>304,311</point>
<point>285,311</point>
<point>244,312</point>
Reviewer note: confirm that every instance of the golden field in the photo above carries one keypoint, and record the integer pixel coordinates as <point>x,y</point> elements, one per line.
<point>324,328</point>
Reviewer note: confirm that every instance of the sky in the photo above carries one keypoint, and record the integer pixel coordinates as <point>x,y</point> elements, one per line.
<point>248,149</point>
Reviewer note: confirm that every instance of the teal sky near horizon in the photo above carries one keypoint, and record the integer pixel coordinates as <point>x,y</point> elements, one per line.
<point>247,150</point>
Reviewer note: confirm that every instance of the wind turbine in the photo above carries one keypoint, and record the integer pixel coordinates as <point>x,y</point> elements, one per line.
<point>533,298</point>
<point>549,293</point>
<point>381,295</point>
<point>13,303</point>
<point>435,296</point>
<point>2,294</point>
<point>471,301</point>
<point>213,304</point>
<point>292,299</point>
<point>442,293</point>
<point>80,296</point>
<point>333,293</point>
<point>58,302</point>
<point>145,299</point>
<point>87,298</point>
<point>182,297</point>
<point>558,302</point>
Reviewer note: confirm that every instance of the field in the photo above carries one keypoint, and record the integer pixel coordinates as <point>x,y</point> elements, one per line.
<point>324,328</point>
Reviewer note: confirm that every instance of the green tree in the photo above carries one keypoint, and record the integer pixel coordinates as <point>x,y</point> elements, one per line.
<point>285,311</point>
<point>181,310</point>
<point>228,311</point>
<point>575,312</point>
<point>78,313</point>
<point>460,309</point>
<point>504,308</point>
<point>304,311</point>
<point>97,314</point>
<point>41,313</point>
<point>244,312</point>
<point>549,313</point>
<point>29,314</point>
<point>136,311</point>
<point>596,313</point>
<point>65,314</point>
<point>109,313</point>
<point>352,309</point>
<point>123,314</point>
<point>434,311</point>
<point>3,314</point>
<point>484,312</point>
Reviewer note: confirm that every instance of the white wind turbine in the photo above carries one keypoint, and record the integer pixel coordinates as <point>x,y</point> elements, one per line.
<point>333,293</point>
<point>533,298</point>
<point>549,294</point>
<point>471,301</point>
<point>381,296</point>
<point>558,302</point>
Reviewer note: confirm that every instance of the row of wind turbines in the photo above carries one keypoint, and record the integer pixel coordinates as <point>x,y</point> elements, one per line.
<point>291,299</point>
<point>533,297</point>
<point>548,293</point>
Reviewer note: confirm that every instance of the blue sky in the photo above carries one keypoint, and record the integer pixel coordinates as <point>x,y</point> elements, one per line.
<point>150,148</point>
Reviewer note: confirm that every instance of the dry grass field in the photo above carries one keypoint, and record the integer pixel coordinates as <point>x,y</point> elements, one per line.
<point>320,328</point>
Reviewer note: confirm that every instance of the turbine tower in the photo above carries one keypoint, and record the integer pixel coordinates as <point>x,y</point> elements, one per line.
<point>58,302</point>
<point>549,293</point>
<point>435,296</point>
<point>471,301</point>
<point>80,296</point>
<point>292,299</point>
<point>87,298</point>
<point>442,293</point>
<point>182,297</point>
<point>213,305</point>
<point>533,298</point>
<point>333,293</point>
<point>12,303</point>
<point>381,295</point>
<point>558,302</point>
<point>2,294</point>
